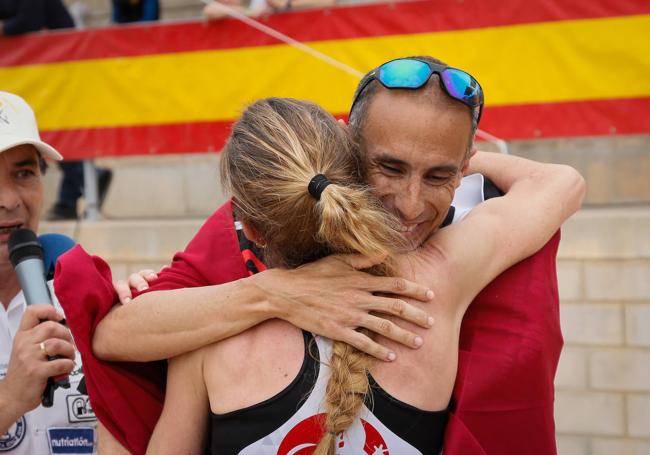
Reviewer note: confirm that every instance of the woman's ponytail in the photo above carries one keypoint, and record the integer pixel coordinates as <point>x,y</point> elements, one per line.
<point>351,221</point>
<point>295,176</point>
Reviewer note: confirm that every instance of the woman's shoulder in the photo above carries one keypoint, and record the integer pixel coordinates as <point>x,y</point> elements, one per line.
<point>257,342</point>
<point>249,368</point>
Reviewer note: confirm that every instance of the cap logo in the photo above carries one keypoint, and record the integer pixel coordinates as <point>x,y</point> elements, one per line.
<point>7,115</point>
<point>4,118</point>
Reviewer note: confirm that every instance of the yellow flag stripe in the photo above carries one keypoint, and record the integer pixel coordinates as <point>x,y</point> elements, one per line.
<point>533,63</point>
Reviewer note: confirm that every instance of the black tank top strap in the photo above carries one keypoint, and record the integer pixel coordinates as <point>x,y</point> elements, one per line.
<point>422,429</point>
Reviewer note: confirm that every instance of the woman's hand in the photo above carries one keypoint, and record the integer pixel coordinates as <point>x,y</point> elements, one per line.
<point>332,297</point>
<point>138,281</point>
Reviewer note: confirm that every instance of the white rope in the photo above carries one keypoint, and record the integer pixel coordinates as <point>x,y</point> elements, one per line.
<point>286,39</point>
<point>500,143</point>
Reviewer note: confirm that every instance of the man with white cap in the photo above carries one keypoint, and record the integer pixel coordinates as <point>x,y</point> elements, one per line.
<point>30,335</point>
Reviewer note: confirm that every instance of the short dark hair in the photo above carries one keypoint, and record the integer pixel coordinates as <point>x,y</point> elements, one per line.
<point>42,164</point>
<point>366,91</point>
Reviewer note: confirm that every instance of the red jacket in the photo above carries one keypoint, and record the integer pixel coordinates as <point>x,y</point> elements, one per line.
<point>509,347</point>
<point>510,343</point>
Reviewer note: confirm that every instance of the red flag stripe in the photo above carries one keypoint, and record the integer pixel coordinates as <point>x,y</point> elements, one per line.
<point>360,22</point>
<point>571,119</point>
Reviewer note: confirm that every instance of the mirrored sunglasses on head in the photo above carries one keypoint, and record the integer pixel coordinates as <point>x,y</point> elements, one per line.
<point>413,73</point>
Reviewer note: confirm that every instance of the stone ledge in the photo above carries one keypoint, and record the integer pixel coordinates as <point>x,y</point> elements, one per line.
<point>617,234</point>
<point>146,241</point>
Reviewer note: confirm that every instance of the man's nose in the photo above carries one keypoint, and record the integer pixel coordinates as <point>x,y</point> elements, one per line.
<point>9,198</point>
<point>409,203</point>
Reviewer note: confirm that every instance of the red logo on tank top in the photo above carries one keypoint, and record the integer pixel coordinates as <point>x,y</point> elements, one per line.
<point>303,438</point>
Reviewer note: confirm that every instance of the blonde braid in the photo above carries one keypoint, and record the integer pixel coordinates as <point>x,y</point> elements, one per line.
<point>345,394</point>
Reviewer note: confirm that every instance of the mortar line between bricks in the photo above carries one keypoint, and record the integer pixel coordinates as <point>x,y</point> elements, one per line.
<point>624,322</point>
<point>614,391</point>
<point>582,274</point>
<point>621,345</point>
<point>593,390</point>
<point>591,436</point>
<point>608,438</point>
<point>626,428</point>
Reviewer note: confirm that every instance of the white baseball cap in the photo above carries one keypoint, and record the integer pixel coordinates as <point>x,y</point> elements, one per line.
<point>18,126</point>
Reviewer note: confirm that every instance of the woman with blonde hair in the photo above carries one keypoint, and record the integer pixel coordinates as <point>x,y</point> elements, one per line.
<point>296,180</point>
<point>294,174</point>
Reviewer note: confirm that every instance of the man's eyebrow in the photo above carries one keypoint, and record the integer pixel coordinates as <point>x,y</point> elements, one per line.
<point>389,159</point>
<point>26,162</point>
<point>451,168</point>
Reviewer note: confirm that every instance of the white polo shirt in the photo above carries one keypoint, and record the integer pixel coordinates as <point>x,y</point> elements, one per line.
<point>69,426</point>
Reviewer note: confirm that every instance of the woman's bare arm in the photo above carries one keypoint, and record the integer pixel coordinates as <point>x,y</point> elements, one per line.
<point>182,426</point>
<point>329,297</point>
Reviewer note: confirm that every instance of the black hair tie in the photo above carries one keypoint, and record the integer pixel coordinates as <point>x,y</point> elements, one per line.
<point>317,184</point>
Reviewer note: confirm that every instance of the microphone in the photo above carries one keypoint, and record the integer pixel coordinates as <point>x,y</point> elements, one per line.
<point>26,255</point>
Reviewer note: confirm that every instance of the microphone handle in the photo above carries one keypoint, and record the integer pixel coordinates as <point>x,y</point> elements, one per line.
<point>31,275</point>
<point>35,290</point>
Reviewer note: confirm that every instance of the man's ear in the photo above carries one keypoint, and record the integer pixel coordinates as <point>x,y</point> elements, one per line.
<point>251,234</point>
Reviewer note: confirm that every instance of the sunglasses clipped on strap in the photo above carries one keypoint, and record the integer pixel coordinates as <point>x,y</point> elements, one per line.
<point>412,73</point>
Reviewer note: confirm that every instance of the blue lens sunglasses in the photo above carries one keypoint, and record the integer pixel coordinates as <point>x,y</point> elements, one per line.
<point>412,73</point>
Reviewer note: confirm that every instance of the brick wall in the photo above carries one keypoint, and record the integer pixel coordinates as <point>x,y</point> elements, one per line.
<point>603,381</point>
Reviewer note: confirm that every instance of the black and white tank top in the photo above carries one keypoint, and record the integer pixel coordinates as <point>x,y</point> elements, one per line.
<point>291,422</point>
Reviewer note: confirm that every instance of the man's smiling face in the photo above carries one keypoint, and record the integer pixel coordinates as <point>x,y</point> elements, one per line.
<point>414,145</point>
<point>21,193</point>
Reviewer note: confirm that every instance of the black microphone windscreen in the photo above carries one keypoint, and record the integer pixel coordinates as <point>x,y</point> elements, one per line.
<point>24,244</point>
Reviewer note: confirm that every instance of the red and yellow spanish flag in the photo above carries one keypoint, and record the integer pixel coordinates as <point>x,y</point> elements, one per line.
<point>549,68</point>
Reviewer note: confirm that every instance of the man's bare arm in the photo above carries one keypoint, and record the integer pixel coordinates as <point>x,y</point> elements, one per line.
<point>329,297</point>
